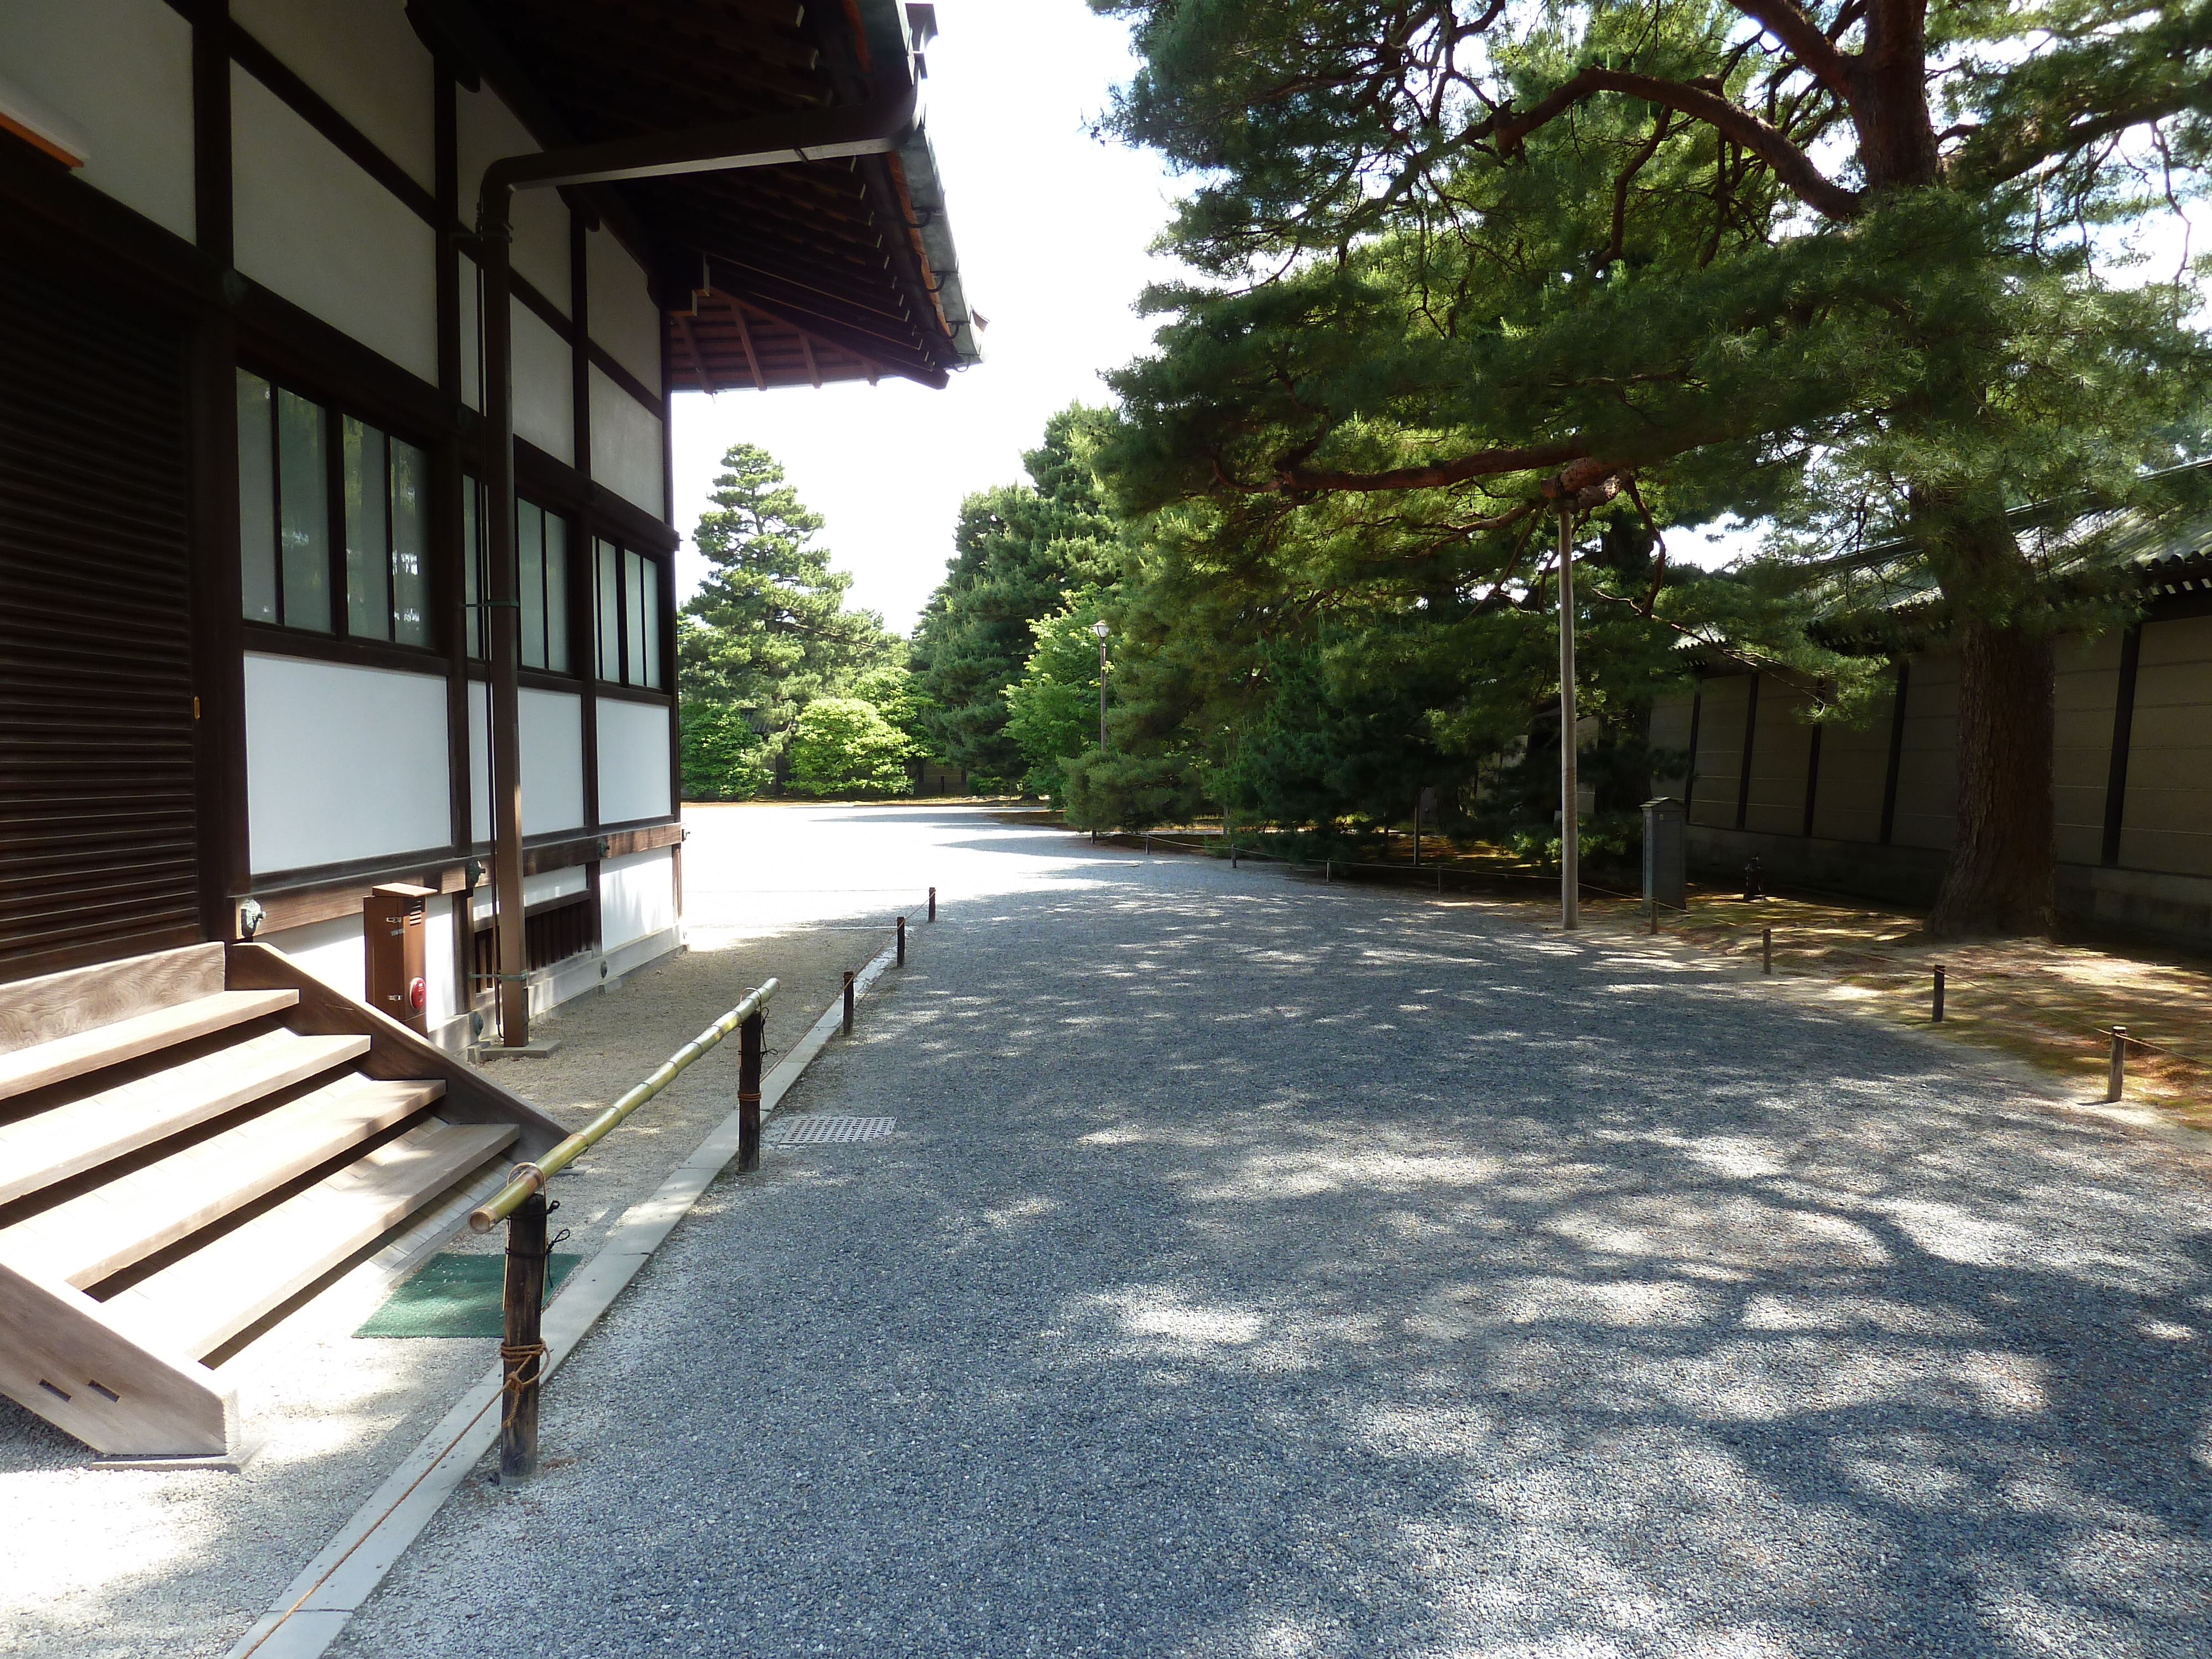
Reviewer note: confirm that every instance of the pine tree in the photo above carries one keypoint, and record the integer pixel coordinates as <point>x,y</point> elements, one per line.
<point>768,632</point>
<point>1018,550</point>
<point>1844,264</point>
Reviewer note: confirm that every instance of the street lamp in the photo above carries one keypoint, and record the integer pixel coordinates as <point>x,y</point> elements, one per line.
<point>1571,832</point>
<point>1100,628</point>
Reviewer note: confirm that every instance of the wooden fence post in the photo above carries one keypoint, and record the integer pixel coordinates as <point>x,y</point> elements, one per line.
<point>749,1036</point>
<point>522,1349</point>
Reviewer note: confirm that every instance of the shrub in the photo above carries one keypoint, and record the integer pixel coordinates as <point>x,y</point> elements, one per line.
<point>723,757</point>
<point>844,745</point>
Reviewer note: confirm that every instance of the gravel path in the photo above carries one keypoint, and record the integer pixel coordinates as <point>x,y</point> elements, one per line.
<point>1267,1269</point>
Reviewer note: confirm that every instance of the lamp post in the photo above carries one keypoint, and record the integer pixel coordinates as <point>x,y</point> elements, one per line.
<point>1100,628</point>
<point>1569,785</point>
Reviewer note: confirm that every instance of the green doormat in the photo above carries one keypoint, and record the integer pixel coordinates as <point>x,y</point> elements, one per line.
<point>456,1296</point>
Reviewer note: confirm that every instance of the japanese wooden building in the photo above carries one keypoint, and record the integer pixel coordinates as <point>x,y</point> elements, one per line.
<point>338,343</point>
<point>246,619</point>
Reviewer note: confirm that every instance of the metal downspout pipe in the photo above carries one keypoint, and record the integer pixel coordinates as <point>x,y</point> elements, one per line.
<point>877,127</point>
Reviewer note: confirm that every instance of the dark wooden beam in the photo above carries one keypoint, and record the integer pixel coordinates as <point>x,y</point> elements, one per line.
<point>212,216</point>
<point>1743,777</point>
<point>1812,779</point>
<point>691,351</point>
<point>745,339</point>
<point>2124,726</point>
<point>1896,747</point>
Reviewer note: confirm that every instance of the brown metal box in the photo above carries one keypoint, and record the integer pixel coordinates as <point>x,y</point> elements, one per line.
<point>392,926</point>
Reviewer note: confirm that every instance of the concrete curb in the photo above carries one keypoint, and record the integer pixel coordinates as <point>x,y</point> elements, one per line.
<point>303,1621</point>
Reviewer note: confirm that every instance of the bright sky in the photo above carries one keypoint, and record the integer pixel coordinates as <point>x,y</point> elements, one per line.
<point>1052,228</point>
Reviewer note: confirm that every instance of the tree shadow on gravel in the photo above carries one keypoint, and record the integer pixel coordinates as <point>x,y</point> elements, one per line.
<point>1454,1289</point>
<point>1265,1270</point>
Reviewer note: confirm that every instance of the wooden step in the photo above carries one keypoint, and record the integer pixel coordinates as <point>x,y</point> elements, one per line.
<point>197,1305</point>
<point>41,1063</point>
<point>124,1222</point>
<point>87,1133</point>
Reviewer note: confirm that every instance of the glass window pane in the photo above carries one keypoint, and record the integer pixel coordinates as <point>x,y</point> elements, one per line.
<point>410,544</point>
<point>473,614</point>
<point>652,613</point>
<point>530,559</point>
<point>634,621</point>
<point>610,600</point>
<point>556,594</point>
<point>256,501</point>
<point>303,497</point>
<point>369,553</point>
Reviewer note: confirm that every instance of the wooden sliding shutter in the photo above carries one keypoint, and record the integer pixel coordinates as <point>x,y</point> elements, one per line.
<point>97,845</point>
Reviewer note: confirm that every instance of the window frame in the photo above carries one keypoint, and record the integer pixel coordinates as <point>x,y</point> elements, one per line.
<point>340,637</point>
<point>476,574</point>
<point>635,629</point>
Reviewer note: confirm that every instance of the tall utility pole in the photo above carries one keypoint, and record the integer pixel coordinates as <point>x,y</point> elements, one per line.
<point>1100,628</point>
<point>1570,824</point>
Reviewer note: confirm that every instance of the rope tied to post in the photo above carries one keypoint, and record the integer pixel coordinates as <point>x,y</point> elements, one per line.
<point>526,1366</point>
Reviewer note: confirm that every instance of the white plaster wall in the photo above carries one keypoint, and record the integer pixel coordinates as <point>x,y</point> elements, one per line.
<point>624,319</point>
<point>333,951</point>
<point>365,61</point>
<point>314,227</point>
<point>552,761</point>
<point>120,73</point>
<point>633,761</point>
<point>342,763</point>
<point>479,761</point>
<point>545,387</point>
<point>441,979</point>
<point>487,131</point>
<point>552,734</point>
<point>626,446</point>
<point>637,896</point>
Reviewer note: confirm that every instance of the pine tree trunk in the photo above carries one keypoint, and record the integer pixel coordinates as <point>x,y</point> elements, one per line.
<point>1999,880</point>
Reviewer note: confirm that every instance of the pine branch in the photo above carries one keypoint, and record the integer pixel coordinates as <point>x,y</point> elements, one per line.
<point>1815,53</point>
<point>1791,164</point>
<point>1483,463</point>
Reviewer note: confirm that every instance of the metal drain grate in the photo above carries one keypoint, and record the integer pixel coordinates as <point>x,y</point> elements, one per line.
<point>814,1131</point>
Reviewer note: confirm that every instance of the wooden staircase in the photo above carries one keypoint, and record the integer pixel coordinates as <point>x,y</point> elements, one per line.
<point>189,1141</point>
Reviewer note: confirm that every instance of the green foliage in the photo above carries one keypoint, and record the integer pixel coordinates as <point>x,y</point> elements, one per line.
<point>1468,265</point>
<point>898,697</point>
<point>768,633</point>
<point>1053,709</point>
<point>1018,550</point>
<point>842,745</point>
<point>723,757</point>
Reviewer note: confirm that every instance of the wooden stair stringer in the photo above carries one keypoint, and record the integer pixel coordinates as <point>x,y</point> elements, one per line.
<point>66,1358</point>
<point>395,1053</point>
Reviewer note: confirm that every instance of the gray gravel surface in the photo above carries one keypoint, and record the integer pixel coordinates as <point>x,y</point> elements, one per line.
<point>1261,1268</point>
